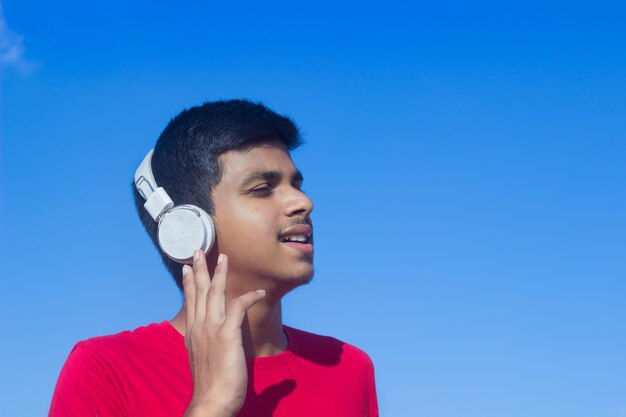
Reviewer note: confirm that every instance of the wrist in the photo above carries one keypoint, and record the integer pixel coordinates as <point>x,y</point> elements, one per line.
<point>207,408</point>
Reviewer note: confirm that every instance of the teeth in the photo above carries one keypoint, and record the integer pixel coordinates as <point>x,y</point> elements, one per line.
<point>296,238</point>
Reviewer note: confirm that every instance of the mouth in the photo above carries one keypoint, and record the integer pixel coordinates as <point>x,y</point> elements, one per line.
<point>298,237</point>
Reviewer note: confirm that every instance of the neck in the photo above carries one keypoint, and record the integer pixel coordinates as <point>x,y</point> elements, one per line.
<point>262,330</point>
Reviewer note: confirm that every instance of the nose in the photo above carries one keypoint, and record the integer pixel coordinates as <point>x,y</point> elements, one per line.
<point>298,204</point>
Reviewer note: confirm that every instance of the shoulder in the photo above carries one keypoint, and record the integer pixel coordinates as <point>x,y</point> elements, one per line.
<point>105,353</point>
<point>311,345</point>
<point>141,337</point>
<point>98,369</point>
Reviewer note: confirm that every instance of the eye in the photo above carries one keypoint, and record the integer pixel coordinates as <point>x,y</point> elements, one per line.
<point>262,190</point>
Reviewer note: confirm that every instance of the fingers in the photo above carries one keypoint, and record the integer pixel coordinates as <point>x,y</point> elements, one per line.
<point>239,306</point>
<point>189,289</point>
<point>205,296</point>
<point>217,293</point>
<point>202,282</point>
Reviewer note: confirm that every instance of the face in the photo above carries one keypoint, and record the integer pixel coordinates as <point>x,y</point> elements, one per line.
<point>262,218</point>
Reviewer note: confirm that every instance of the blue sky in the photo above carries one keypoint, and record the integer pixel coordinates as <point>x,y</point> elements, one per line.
<point>466,161</point>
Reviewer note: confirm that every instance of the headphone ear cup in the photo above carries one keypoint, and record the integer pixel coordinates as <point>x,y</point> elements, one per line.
<point>183,230</point>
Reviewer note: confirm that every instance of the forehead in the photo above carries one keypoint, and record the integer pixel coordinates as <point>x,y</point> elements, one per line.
<point>265,156</point>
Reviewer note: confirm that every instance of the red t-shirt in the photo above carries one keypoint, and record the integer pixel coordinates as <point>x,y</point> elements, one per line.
<point>145,372</point>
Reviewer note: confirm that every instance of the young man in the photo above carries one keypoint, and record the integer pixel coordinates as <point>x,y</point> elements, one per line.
<point>226,352</point>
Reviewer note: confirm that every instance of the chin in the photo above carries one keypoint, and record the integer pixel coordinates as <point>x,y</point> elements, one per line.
<point>297,278</point>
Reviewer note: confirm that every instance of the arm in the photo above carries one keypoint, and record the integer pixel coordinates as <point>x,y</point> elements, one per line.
<point>214,341</point>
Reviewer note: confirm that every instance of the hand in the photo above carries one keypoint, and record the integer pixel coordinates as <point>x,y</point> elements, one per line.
<point>213,339</point>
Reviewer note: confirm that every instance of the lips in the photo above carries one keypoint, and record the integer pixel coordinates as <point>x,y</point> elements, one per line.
<point>298,237</point>
<point>299,233</point>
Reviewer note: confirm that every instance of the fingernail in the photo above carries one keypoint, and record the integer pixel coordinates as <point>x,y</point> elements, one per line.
<point>262,292</point>
<point>220,258</point>
<point>185,269</point>
<point>196,255</point>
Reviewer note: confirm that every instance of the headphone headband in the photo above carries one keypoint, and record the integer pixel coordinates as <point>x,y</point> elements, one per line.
<point>157,199</point>
<point>144,179</point>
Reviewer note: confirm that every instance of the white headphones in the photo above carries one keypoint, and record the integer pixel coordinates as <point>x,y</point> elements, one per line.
<point>182,229</point>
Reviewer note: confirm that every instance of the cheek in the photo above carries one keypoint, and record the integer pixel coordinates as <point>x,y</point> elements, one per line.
<point>241,226</point>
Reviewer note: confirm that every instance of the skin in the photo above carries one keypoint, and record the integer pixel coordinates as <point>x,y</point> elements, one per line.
<point>235,312</point>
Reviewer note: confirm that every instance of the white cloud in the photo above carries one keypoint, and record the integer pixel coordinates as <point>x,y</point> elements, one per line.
<point>12,48</point>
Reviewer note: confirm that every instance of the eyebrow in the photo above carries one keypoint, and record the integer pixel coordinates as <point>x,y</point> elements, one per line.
<point>269,176</point>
